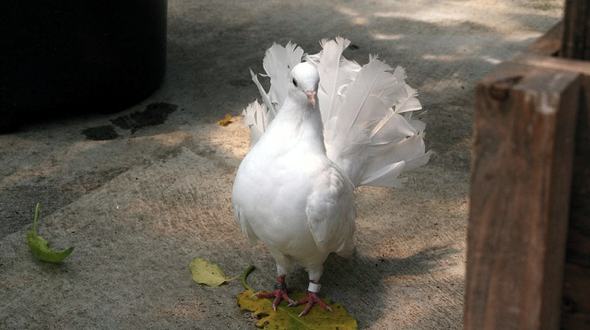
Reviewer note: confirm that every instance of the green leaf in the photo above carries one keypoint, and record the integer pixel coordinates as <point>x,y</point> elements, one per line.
<point>205,272</point>
<point>40,247</point>
<point>288,317</point>
<point>244,277</point>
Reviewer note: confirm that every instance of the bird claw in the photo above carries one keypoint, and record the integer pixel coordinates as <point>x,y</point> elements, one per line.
<point>277,295</point>
<point>309,301</point>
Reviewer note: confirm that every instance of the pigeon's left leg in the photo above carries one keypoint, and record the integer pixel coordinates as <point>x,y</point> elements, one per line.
<point>280,292</point>
<point>312,298</point>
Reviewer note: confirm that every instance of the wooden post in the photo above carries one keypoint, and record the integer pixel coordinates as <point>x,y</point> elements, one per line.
<point>576,303</point>
<point>576,32</point>
<point>519,271</point>
<point>576,286</point>
<point>516,275</point>
<point>521,171</point>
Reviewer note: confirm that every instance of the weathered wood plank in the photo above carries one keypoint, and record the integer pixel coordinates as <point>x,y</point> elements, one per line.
<point>576,30</point>
<point>521,171</point>
<point>549,44</point>
<point>576,289</point>
<point>576,282</point>
<point>554,63</point>
<point>576,286</point>
<point>576,304</point>
<point>543,53</point>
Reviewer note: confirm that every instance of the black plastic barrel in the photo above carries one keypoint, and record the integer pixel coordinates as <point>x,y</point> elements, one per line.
<point>78,56</point>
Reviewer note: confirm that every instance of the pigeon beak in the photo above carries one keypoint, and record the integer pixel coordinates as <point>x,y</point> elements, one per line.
<point>311,97</point>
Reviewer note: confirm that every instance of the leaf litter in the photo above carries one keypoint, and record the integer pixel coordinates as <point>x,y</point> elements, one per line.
<point>40,247</point>
<point>226,120</point>
<point>288,317</point>
<point>207,273</point>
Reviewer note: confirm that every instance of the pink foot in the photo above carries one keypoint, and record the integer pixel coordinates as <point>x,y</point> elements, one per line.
<point>279,294</point>
<point>309,301</point>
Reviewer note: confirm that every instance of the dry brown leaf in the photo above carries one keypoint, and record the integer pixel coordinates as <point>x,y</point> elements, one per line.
<point>226,120</point>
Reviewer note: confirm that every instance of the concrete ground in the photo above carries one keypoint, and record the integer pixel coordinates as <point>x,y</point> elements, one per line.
<point>140,203</point>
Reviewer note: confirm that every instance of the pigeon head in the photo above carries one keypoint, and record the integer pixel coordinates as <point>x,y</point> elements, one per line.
<point>306,79</point>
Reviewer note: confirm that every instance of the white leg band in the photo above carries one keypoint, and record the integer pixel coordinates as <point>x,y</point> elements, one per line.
<point>314,287</point>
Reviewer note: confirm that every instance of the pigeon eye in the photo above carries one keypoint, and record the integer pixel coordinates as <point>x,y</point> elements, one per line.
<point>294,82</point>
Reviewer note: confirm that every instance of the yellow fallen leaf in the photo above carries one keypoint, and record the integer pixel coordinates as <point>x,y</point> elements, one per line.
<point>288,317</point>
<point>205,272</point>
<point>228,119</point>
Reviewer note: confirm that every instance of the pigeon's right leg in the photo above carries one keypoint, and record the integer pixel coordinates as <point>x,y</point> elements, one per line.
<point>312,298</point>
<point>280,292</point>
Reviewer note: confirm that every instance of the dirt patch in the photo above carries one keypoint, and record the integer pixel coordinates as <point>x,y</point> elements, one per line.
<point>100,133</point>
<point>154,114</point>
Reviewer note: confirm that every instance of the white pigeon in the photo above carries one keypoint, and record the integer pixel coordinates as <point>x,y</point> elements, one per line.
<point>326,126</point>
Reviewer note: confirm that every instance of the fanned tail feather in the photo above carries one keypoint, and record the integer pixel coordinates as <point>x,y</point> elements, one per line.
<point>336,73</point>
<point>278,62</point>
<point>367,111</point>
<point>265,98</point>
<point>257,118</point>
<point>368,128</point>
